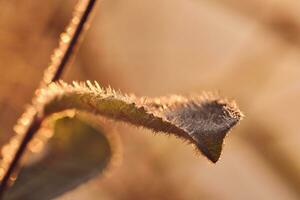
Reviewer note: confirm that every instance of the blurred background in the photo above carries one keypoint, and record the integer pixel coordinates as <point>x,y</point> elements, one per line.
<point>245,50</point>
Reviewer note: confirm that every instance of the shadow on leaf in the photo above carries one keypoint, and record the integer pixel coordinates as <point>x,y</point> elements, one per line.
<point>76,152</point>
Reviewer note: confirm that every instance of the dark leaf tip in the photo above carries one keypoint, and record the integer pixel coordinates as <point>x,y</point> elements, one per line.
<point>205,121</point>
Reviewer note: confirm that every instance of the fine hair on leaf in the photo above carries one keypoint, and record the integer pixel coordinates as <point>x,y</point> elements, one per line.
<point>202,120</point>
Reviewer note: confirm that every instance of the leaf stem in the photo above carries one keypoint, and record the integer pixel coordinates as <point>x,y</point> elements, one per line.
<point>61,57</point>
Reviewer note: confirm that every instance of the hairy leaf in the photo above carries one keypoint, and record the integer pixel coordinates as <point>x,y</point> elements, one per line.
<point>201,120</point>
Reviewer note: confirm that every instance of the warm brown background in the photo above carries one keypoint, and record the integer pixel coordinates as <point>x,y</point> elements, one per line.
<point>247,50</point>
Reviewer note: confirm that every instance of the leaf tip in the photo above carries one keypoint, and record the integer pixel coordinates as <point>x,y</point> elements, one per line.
<point>217,118</point>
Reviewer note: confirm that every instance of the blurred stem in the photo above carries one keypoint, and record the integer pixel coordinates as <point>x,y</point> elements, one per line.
<point>61,57</point>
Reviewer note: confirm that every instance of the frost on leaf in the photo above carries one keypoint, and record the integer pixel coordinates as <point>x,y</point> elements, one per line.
<point>201,120</point>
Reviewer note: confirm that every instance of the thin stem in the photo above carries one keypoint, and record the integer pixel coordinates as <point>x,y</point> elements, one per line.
<point>59,61</point>
<point>35,125</point>
<point>74,40</point>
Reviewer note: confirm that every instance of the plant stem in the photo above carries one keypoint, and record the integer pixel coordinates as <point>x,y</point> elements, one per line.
<point>66,50</point>
<point>74,40</point>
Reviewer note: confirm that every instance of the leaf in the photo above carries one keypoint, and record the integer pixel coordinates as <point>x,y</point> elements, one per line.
<point>201,120</point>
<point>76,152</point>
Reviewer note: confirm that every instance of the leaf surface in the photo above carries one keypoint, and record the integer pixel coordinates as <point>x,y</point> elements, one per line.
<point>76,152</point>
<point>202,120</point>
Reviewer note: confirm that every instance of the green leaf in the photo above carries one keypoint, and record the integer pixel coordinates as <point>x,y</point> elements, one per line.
<point>76,152</point>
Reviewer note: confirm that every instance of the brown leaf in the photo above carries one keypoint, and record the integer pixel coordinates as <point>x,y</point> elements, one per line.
<point>202,120</point>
